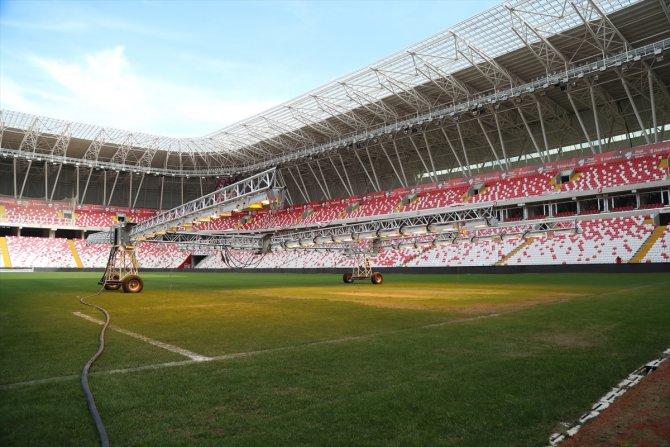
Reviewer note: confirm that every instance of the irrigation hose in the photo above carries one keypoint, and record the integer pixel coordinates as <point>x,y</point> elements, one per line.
<point>102,433</point>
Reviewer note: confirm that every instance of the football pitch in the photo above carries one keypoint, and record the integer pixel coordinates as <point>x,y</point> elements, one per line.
<point>227,359</point>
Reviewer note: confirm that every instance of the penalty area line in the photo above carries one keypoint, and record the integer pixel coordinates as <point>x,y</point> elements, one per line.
<point>168,347</point>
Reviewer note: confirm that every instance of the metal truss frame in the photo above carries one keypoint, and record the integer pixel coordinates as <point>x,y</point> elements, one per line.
<point>384,97</point>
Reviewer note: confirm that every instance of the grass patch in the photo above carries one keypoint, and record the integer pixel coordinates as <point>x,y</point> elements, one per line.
<point>409,362</point>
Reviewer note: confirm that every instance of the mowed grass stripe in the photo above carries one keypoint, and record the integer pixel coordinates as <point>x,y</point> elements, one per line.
<point>489,381</point>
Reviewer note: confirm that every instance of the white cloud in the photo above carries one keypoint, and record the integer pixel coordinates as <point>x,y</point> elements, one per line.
<point>105,89</point>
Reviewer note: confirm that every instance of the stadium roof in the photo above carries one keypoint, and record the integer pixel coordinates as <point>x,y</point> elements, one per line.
<point>516,44</point>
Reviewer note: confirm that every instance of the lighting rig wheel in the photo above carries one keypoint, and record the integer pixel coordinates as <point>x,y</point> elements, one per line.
<point>376,278</point>
<point>113,286</point>
<point>132,284</point>
<point>348,278</point>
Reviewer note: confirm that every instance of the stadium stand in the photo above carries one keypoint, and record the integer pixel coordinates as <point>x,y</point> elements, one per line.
<point>40,252</point>
<point>599,241</point>
<point>160,256</point>
<point>660,250</point>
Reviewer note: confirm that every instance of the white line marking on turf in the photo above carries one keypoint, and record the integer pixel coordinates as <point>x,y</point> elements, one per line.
<point>176,349</point>
<point>237,355</point>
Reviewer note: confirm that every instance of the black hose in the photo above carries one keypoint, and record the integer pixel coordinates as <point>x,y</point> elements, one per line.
<point>102,433</point>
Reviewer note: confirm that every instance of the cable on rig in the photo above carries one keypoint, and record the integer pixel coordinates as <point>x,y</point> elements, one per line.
<point>102,433</point>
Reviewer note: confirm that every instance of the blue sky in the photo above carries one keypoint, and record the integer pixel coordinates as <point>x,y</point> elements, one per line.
<point>190,68</point>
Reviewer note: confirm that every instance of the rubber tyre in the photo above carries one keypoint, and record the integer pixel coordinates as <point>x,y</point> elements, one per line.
<point>348,278</point>
<point>132,284</point>
<point>113,286</point>
<point>376,278</point>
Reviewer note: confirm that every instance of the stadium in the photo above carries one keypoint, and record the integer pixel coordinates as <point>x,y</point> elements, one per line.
<point>464,243</point>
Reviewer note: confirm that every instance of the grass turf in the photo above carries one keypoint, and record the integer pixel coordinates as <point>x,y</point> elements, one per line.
<point>420,360</point>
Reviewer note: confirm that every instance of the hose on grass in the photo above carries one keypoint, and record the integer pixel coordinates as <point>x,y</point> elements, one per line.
<point>102,433</point>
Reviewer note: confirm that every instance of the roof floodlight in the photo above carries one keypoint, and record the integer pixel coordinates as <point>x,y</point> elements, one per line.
<point>416,229</point>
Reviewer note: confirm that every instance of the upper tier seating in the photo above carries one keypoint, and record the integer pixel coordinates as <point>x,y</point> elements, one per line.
<point>374,207</point>
<point>532,185</point>
<point>624,172</point>
<point>37,215</point>
<point>324,214</point>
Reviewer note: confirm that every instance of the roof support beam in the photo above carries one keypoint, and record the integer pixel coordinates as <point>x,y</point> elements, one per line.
<point>346,174</point>
<point>596,120</point>
<point>652,100</point>
<point>303,189</point>
<point>88,180</point>
<point>453,151</point>
<point>395,171</point>
<point>402,170</point>
<point>326,194</point>
<point>25,178</point>
<point>637,114</point>
<point>139,188</point>
<point>430,157</point>
<point>344,184</point>
<point>465,151</point>
<point>372,182</point>
<point>488,140</point>
<point>500,137</point>
<point>530,134</point>
<point>53,190</point>
<point>544,131</point>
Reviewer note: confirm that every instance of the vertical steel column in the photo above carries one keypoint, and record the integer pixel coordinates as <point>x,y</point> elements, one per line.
<point>317,181</point>
<point>160,199</point>
<point>453,151</point>
<point>402,170</point>
<point>374,172</point>
<point>139,188</point>
<point>595,119</point>
<point>53,190</point>
<point>488,140</point>
<point>637,114</point>
<point>88,179</point>
<point>30,162</point>
<point>346,174</point>
<point>544,131</point>
<point>653,105</point>
<point>430,156</point>
<point>465,152</point>
<point>581,123</point>
<point>14,176</point>
<point>111,193</point>
<point>372,182</point>
<point>502,142</point>
<point>325,183</point>
<point>130,189</point>
<point>346,188</point>
<point>46,180</point>
<point>530,134</point>
<point>416,149</point>
<point>392,166</point>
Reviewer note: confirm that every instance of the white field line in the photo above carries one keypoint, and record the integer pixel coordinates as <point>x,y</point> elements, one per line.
<point>176,349</point>
<point>237,355</point>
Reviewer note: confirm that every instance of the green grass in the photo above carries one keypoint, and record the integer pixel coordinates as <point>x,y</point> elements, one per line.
<point>406,363</point>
